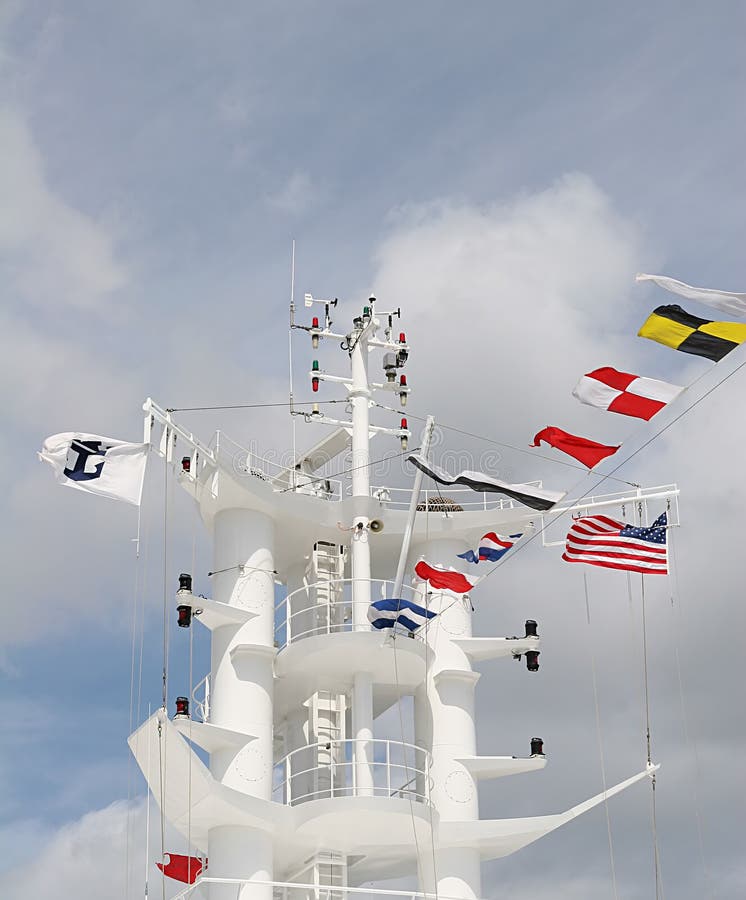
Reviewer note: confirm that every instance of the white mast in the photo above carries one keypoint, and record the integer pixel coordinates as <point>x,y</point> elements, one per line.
<point>299,796</point>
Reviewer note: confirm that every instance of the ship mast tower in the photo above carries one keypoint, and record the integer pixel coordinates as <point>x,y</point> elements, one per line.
<point>277,775</point>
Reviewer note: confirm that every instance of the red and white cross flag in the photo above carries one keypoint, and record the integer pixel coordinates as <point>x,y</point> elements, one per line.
<point>620,392</point>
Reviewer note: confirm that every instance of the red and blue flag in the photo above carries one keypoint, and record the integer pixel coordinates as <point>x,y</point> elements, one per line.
<point>491,547</point>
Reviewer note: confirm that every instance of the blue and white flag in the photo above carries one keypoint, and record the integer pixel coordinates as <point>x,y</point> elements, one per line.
<point>491,547</point>
<point>386,613</point>
<point>98,465</point>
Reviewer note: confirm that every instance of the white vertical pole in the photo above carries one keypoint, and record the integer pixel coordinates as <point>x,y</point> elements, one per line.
<point>362,687</point>
<point>362,726</point>
<point>416,488</point>
<point>360,399</point>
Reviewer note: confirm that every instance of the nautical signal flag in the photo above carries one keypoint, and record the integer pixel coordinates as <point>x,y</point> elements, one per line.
<point>601,541</point>
<point>620,392</point>
<point>590,453</point>
<point>181,868</point>
<point>491,547</point>
<point>444,579</point>
<point>726,301</point>
<point>387,613</point>
<point>676,328</point>
<point>530,495</point>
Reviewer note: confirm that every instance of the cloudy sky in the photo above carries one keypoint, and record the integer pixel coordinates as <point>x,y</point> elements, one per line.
<point>501,171</point>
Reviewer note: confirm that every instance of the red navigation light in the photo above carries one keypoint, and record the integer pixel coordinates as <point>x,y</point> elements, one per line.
<point>404,424</point>
<point>185,616</point>
<point>315,383</point>
<point>186,463</point>
<point>537,747</point>
<point>402,338</point>
<point>315,322</point>
<point>182,708</point>
<point>403,392</point>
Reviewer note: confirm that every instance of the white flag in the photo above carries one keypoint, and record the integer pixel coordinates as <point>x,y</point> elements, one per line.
<point>96,464</point>
<point>726,301</point>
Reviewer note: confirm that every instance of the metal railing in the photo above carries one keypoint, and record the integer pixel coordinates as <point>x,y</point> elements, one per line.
<point>330,769</point>
<point>245,463</point>
<point>201,698</point>
<point>432,500</point>
<point>326,607</point>
<point>286,890</point>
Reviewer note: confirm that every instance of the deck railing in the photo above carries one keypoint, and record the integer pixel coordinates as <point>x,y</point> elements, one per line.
<point>327,607</point>
<point>286,890</point>
<point>327,770</point>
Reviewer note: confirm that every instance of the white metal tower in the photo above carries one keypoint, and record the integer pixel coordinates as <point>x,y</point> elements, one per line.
<point>300,796</point>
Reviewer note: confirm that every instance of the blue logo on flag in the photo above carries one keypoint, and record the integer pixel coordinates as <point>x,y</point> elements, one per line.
<point>82,466</point>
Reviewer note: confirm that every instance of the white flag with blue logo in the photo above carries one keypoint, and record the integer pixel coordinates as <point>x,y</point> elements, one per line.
<point>96,464</point>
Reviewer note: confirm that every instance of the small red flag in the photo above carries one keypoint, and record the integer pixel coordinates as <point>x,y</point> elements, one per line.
<point>181,868</point>
<point>588,452</point>
<point>444,579</point>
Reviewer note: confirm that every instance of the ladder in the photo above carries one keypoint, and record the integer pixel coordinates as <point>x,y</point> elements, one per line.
<point>324,575</point>
<point>326,731</point>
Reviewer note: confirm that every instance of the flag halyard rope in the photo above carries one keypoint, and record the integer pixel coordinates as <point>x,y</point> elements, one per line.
<point>599,737</point>
<point>653,811</point>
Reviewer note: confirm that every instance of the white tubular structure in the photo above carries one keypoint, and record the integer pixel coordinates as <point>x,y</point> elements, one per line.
<point>362,703</point>
<point>242,688</point>
<point>303,797</point>
<point>446,709</point>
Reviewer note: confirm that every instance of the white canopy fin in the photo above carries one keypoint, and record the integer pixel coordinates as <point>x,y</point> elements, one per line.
<point>496,838</point>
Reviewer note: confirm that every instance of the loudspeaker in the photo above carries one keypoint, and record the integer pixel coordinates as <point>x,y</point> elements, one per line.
<point>375,526</point>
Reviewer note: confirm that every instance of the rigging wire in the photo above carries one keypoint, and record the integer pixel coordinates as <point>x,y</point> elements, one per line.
<point>550,520</point>
<point>691,744</point>
<point>486,440</point>
<point>167,484</point>
<point>609,475</point>
<point>401,728</point>
<point>191,697</point>
<point>599,737</point>
<point>172,409</point>
<point>164,677</point>
<point>130,760</point>
<point>290,352</point>
<point>162,793</point>
<point>368,465</point>
<point>141,654</point>
<point>147,821</point>
<point>653,815</point>
<point>404,751</point>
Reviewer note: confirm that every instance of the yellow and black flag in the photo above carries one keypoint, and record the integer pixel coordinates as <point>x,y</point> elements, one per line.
<point>674,327</point>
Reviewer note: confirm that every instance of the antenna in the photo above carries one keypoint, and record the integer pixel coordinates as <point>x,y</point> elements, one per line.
<point>290,351</point>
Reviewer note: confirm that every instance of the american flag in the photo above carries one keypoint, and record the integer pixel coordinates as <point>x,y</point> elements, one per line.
<point>601,541</point>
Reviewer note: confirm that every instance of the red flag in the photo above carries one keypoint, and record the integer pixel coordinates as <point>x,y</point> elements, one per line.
<point>181,868</point>
<point>588,452</point>
<point>444,579</point>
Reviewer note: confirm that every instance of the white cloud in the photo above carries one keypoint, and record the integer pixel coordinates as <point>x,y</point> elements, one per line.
<point>55,254</point>
<point>505,305</point>
<point>82,859</point>
<point>509,304</point>
<point>87,858</point>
